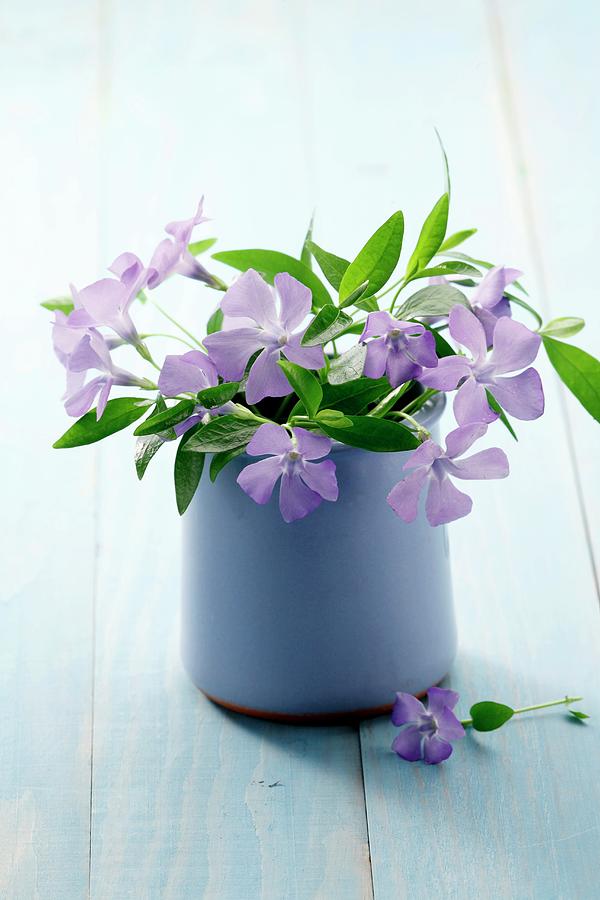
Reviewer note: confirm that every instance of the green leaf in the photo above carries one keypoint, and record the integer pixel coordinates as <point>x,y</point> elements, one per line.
<point>487,715</point>
<point>333,417</point>
<point>567,326</point>
<point>348,366</point>
<point>305,255</point>
<point>218,395</point>
<point>220,460</point>
<point>435,300</point>
<point>145,449</point>
<point>187,471</point>
<point>352,397</point>
<point>164,420</point>
<point>223,433</point>
<point>377,259</point>
<point>577,714</point>
<point>451,267</point>
<point>368,433</point>
<point>305,384</point>
<point>119,413</point>
<point>327,324</point>
<point>431,236</point>
<point>63,304</point>
<point>503,417</point>
<point>445,159</point>
<point>332,266</point>
<point>578,370</point>
<point>454,254</point>
<point>199,247</point>
<point>457,238</point>
<point>271,263</point>
<point>215,323</point>
<point>357,297</point>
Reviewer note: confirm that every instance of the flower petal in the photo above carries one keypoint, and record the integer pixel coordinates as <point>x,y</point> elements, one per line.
<point>190,371</point>
<point>269,438</point>
<point>103,398</point>
<point>445,503</point>
<point>436,750</point>
<point>459,440</point>
<point>406,709</point>
<point>471,404</point>
<point>295,299</point>
<point>399,368</point>
<point>251,296</point>
<point>486,464</point>
<point>449,727</point>
<point>310,445</point>
<point>296,500</point>
<point>377,324</point>
<point>163,261</point>
<point>521,395</point>
<point>447,374</point>
<point>438,698</point>
<point>266,379</point>
<point>422,349</point>
<point>491,287</point>
<point>259,478</point>
<point>424,455</point>
<point>320,477</point>
<point>408,744</point>
<point>466,328</point>
<point>231,350</point>
<point>376,358</point>
<point>404,496</point>
<point>307,357</point>
<point>515,346</point>
<point>80,402</point>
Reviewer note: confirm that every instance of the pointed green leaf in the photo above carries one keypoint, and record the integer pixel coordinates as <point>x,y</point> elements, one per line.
<point>305,384</point>
<point>450,267</point>
<point>368,433</point>
<point>431,236</point>
<point>376,261</point>
<point>119,413</point>
<point>220,460</point>
<point>218,395</point>
<point>435,300</point>
<point>352,397</point>
<point>223,433</point>
<point>198,247</point>
<point>63,304</point>
<point>457,238</point>
<point>487,715</point>
<point>327,325</point>
<point>334,418</point>
<point>357,297</point>
<point>567,326</point>
<point>332,266</point>
<point>187,471</point>
<point>348,365</point>
<point>503,417</point>
<point>215,323</point>
<point>305,255</point>
<point>578,370</point>
<point>164,420</point>
<point>145,450</point>
<point>577,714</point>
<point>271,263</point>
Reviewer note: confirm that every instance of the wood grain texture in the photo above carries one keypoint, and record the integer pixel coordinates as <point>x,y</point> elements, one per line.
<point>114,767</point>
<point>49,189</point>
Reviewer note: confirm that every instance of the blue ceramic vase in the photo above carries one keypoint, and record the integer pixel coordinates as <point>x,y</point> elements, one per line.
<point>323,618</point>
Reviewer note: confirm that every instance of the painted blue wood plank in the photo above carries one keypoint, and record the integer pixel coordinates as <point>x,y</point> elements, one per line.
<point>48,98</point>
<point>189,801</point>
<point>516,812</point>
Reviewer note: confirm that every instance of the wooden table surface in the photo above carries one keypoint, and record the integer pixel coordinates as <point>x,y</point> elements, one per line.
<point>117,778</point>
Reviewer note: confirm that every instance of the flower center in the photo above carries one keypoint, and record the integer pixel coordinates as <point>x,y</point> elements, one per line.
<point>428,725</point>
<point>293,455</point>
<point>282,339</point>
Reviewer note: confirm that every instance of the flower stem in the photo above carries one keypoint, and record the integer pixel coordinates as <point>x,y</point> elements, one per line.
<point>177,324</point>
<point>173,337</point>
<point>566,701</point>
<point>389,400</point>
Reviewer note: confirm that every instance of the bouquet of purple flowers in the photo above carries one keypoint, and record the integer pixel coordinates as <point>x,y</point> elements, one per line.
<point>293,361</point>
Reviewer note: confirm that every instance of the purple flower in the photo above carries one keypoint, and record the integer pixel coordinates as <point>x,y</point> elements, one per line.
<point>399,350</point>
<point>172,254</point>
<point>267,328</point>
<point>107,301</point>
<point>515,346</point>
<point>189,373</point>
<point>430,729</point>
<point>433,468</point>
<point>80,352</point>
<point>304,484</point>
<point>488,301</point>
